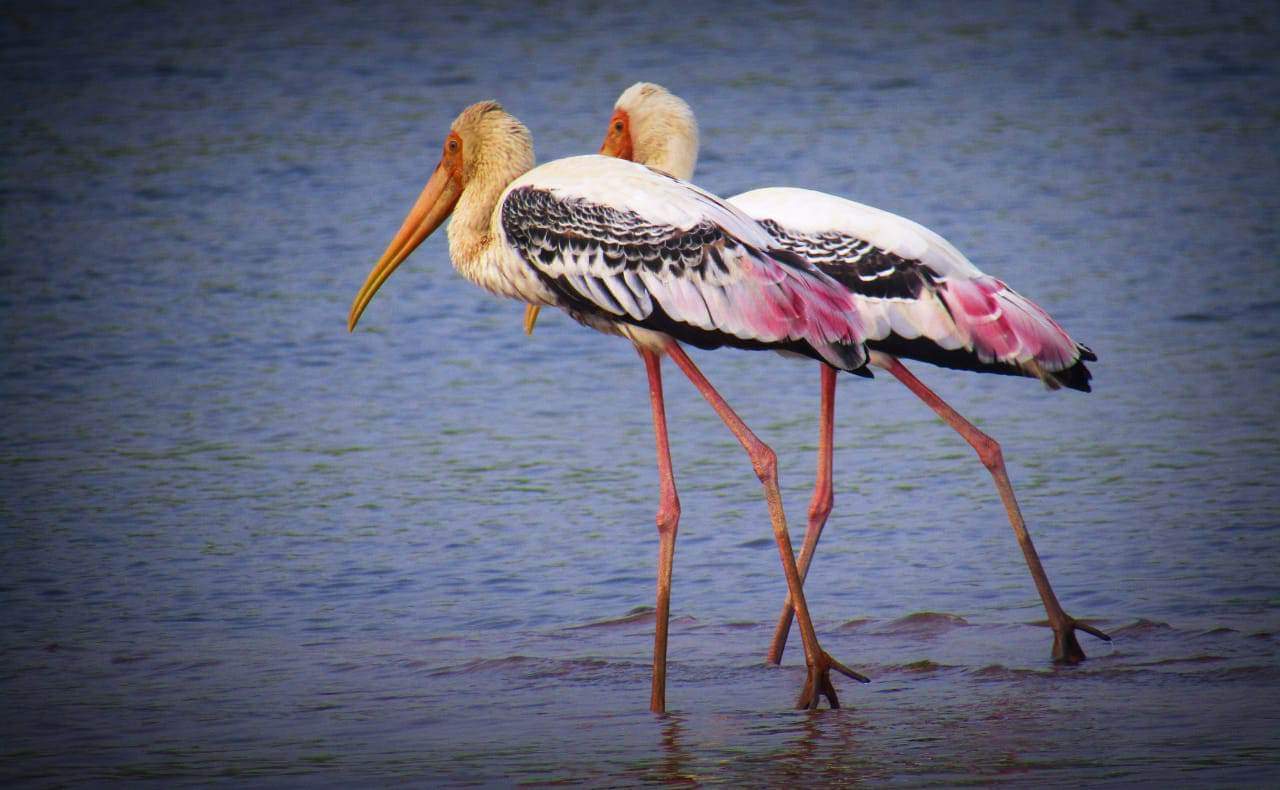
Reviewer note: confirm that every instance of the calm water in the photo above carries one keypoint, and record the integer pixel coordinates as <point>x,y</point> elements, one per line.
<point>239,543</point>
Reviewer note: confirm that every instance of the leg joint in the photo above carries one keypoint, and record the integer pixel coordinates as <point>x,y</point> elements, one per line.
<point>989,451</point>
<point>668,516</point>
<point>821,506</point>
<point>765,461</point>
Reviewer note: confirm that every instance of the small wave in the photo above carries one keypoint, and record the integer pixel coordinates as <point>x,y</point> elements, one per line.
<point>532,668</point>
<point>450,80</point>
<point>924,666</point>
<point>1217,71</point>
<point>926,623</point>
<point>1207,670</point>
<point>894,84</point>
<point>1199,318</point>
<point>1264,307</point>
<point>1166,662</point>
<point>853,625</point>
<point>1219,631</point>
<point>1247,673</point>
<point>1142,626</point>
<point>175,667</point>
<point>483,665</point>
<point>1222,316</point>
<point>640,614</point>
<point>1001,672</point>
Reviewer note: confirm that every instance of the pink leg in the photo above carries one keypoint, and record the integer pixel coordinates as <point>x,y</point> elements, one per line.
<point>668,521</point>
<point>1065,647</point>
<point>765,463</point>
<point>819,507</point>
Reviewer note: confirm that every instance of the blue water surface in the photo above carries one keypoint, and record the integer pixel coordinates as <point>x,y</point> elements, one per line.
<point>239,543</point>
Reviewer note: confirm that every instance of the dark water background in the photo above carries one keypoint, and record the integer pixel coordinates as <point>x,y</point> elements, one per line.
<point>239,543</point>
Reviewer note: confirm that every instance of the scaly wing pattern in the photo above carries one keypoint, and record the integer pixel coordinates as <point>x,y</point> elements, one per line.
<point>917,295</point>
<point>616,239</point>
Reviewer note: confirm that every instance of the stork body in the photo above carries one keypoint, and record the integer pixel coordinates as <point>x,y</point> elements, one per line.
<point>628,251</point>
<point>916,297</point>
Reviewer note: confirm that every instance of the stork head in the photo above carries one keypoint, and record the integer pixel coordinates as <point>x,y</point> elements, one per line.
<point>485,147</point>
<point>654,127</point>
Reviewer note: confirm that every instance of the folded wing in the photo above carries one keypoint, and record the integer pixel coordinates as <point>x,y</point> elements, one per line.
<point>917,295</point>
<point>618,240</point>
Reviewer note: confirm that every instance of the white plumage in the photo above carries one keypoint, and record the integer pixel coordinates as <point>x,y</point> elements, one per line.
<point>962,308</point>
<point>615,240</point>
<point>631,251</point>
<point>916,297</point>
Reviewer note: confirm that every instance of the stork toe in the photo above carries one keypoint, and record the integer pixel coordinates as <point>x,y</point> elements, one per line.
<point>1066,648</point>
<point>818,683</point>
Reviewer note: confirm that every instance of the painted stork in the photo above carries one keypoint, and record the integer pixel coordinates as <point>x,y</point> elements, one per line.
<point>916,296</point>
<point>632,252</point>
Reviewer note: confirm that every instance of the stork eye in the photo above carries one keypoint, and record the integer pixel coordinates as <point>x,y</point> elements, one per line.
<point>452,145</point>
<point>617,126</point>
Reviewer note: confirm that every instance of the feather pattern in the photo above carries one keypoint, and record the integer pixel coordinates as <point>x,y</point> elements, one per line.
<point>635,246</point>
<point>917,295</point>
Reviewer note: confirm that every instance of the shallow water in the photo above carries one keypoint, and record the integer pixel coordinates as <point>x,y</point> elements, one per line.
<point>241,543</point>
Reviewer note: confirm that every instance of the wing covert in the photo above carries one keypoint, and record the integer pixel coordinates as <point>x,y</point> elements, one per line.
<point>917,295</point>
<point>696,274</point>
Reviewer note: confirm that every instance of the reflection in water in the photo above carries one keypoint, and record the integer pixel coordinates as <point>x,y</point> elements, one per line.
<point>825,750</point>
<point>676,761</point>
<point>807,747</point>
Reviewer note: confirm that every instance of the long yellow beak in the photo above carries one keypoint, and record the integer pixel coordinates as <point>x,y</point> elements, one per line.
<point>435,203</point>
